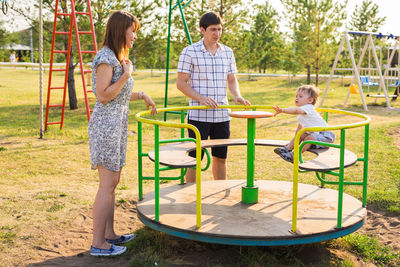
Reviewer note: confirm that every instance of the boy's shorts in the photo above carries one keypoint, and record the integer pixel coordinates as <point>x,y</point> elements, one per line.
<point>214,130</point>
<point>326,137</point>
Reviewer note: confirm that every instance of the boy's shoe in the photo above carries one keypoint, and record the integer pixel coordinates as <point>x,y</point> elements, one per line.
<point>113,251</point>
<point>122,240</point>
<point>280,150</point>
<point>288,156</point>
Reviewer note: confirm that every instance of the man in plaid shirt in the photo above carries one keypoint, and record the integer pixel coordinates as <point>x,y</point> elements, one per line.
<point>204,70</point>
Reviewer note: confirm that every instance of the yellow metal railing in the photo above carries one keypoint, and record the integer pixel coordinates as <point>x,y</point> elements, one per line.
<point>157,123</point>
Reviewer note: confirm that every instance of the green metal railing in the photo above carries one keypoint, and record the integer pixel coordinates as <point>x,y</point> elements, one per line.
<point>171,9</point>
<point>297,158</point>
<point>296,161</point>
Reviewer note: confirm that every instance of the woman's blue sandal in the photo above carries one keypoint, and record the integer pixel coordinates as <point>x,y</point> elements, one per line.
<point>122,240</point>
<point>112,251</point>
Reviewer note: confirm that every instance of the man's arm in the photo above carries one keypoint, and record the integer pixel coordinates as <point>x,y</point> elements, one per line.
<point>233,87</point>
<point>183,85</point>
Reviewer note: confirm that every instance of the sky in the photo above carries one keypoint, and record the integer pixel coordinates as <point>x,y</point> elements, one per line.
<point>388,8</point>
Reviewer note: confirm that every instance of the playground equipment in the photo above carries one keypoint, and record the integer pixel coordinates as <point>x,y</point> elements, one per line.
<point>72,14</point>
<point>286,213</point>
<point>369,76</point>
<point>171,8</point>
<point>41,68</point>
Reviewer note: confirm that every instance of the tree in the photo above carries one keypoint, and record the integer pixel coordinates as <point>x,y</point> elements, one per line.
<point>61,42</point>
<point>314,24</point>
<point>266,41</point>
<point>365,18</point>
<point>150,50</point>
<point>4,56</point>
<point>289,62</point>
<point>234,15</point>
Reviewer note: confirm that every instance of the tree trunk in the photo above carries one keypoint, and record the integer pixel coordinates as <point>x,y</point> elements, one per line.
<point>73,102</point>
<point>317,59</point>
<point>308,74</point>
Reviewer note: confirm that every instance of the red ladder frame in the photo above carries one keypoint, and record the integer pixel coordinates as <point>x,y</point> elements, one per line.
<point>73,25</point>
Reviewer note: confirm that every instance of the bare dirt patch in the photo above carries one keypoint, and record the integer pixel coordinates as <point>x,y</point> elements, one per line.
<point>384,228</point>
<point>69,246</point>
<point>395,133</point>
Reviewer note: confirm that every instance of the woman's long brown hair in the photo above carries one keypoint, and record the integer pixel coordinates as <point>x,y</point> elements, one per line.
<point>116,28</point>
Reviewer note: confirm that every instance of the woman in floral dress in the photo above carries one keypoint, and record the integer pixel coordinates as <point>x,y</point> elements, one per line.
<point>108,126</point>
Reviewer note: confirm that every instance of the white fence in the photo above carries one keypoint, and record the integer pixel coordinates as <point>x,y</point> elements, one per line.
<point>35,66</point>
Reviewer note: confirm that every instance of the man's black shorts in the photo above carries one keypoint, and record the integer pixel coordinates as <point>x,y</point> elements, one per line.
<point>214,130</point>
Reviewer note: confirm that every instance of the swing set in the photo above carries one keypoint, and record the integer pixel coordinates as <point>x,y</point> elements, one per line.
<point>375,74</point>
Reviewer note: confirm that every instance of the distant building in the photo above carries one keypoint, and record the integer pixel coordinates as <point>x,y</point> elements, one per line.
<point>23,52</point>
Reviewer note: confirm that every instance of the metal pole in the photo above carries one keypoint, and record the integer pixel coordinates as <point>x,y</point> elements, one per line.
<point>295,180</point>
<point>183,171</point>
<point>140,161</point>
<point>184,23</point>
<point>251,128</point>
<point>167,65</point>
<point>41,67</point>
<point>333,70</point>
<point>341,179</point>
<point>31,34</point>
<point>356,72</point>
<point>378,66</point>
<point>365,170</point>
<point>157,173</point>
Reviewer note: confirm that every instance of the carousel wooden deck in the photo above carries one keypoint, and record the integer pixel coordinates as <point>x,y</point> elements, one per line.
<point>226,220</point>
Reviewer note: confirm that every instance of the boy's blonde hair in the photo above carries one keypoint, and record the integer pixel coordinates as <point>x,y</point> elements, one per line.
<point>312,91</point>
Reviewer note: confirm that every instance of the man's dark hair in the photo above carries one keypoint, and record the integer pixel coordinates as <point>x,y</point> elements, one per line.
<point>210,18</point>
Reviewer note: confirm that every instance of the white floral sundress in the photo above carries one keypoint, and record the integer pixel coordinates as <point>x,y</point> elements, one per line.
<point>108,125</point>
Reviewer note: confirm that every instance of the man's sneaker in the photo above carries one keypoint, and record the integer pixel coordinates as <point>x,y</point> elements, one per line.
<point>122,240</point>
<point>280,150</point>
<point>113,251</point>
<point>288,156</point>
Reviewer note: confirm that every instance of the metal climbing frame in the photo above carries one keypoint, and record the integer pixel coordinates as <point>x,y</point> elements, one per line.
<point>171,9</point>
<point>73,25</point>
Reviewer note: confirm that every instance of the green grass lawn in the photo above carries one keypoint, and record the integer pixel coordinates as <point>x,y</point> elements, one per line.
<point>45,183</point>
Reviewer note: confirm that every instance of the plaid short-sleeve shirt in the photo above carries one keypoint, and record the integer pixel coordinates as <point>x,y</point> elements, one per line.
<point>208,77</point>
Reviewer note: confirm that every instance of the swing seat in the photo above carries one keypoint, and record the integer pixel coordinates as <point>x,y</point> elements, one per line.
<point>381,96</point>
<point>354,89</point>
<point>395,84</point>
<point>365,80</point>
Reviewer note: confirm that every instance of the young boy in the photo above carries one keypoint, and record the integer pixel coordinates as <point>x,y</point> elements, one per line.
<point>306,97</point>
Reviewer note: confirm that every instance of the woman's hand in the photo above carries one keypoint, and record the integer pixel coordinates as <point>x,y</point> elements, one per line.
<point>149,102</point>
<point>127,67</point>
